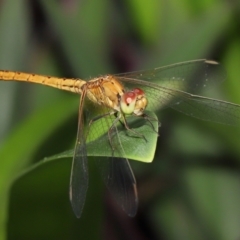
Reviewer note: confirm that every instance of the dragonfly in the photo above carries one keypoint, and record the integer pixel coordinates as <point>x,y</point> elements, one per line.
<point>116,97</point>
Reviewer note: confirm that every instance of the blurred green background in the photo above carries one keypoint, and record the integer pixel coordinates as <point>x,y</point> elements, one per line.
<point>192,188</point>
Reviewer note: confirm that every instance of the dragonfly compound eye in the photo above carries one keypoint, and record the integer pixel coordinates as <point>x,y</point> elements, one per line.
<point>138,91</point>
<point>141,102</point>
<point>128,101</point>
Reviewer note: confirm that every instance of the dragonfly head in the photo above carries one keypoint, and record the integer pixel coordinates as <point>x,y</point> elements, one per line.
<point>133,102</point>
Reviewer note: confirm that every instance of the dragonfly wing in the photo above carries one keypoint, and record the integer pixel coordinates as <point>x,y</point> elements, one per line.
<point>79,172</point>
<point>168,87</point>
<point>118,175</point>
<point>161,85</point>
<point>79,181</point>
<point>191,76</point>
<point>208,109</point>
<point>120,181</point>
<point>200,107</point>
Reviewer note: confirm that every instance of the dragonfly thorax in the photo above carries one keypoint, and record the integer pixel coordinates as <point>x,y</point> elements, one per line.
<point>109,92</point>
<point>105,91</point>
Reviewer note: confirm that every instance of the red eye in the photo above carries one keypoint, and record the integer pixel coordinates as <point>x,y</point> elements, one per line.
<point>129,97</point>
<point>138,91</point>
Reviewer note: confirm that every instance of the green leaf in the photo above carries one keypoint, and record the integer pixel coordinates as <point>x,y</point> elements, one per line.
<point>135,147</point>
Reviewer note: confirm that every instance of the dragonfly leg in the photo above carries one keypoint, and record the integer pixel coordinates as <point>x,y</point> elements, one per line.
<point>150,119</point>
<point>131,130</point>
<point>144,116</point>
<point>101,116</point>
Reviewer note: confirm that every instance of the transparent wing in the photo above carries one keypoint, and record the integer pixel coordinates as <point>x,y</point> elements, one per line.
<point>79,172</point>
<point>116,171</point>
<point>208,109</point>
<point>168,87</point>
<point>191,76</point>
<point>120,181</point>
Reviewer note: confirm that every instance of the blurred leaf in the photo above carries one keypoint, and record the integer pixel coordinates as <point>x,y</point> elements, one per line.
<point>215,197</point>
<point>198,7</point>
<point>175,219</point>
<point>14,28</point>
<point>192,39</point>
<point>232,63</point>
<point>18,148</point>
<point>41,196</point>
<point>84,39</point>
<point>145,17</point>
<point>199,140</point>
<point>205,207</point>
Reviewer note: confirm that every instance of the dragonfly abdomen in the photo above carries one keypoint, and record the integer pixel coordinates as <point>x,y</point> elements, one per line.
<point>68,84</point>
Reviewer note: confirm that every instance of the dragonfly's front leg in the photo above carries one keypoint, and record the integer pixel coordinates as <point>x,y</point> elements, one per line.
<point>125,124</point>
